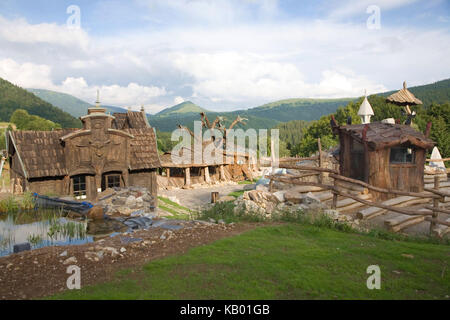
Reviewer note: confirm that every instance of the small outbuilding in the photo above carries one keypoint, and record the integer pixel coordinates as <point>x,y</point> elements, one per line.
<point>390,156</point>
<point>109,151</point>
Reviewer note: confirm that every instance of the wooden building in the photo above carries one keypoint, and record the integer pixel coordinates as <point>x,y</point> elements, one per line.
<point>390,156</point>
<point>231,167</point>
<point>116,150</point>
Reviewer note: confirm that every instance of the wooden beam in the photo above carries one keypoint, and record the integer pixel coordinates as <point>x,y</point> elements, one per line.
<point>307,168</point>
<point>382,190</point>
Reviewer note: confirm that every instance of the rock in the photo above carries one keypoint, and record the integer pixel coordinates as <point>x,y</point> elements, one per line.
<point>9,265</point>
<point>131,200</point>
<point>96,213</point>
<point>112,251</point>
<point>334,214</point>
<point>93,256</point>
<point>119,201</point>
<point>122,250</point>
<point>262,187</point>
<point>309,198</point>
<point>63,254</point>
<point>70,260</point>
<point>279,195</point>
<point>212,220</point>
<point>293,196</point>
<point>20,247</point>
<point>226,199</point>
<point>221,221</point>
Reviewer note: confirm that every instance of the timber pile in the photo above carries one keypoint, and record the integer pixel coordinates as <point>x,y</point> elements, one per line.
<point>399,202</point>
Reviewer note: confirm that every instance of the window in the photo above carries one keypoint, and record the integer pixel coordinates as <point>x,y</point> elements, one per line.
<point>402,155</point>
<point>79,187</point>
<point>113,181</point>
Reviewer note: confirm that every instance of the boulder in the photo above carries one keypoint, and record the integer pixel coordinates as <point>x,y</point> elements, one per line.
<point>131,201</point>
<point>293,196</point>
<point>96,213</point>
<point>309,198</point>
<point>279,195</point>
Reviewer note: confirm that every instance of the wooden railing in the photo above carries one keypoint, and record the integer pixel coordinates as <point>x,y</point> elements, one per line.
<point>338,189</point>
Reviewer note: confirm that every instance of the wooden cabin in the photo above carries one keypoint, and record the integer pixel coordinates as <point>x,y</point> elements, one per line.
<point>390,156</point>
<point>116,150</point>
<point>235,166</point>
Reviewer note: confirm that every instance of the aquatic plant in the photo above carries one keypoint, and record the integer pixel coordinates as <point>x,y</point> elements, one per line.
<point>34,239</point>
<point>27,201</point>
<point>9,205</point>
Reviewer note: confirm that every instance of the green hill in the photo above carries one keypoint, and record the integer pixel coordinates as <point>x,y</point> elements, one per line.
<point>13,97</point>
<point>182,108</point>
<point>438,92</point>
<point>68,103</point>
<point>266,116</point>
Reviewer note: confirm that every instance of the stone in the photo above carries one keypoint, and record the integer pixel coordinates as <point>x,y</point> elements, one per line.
<point>334,214</point>
<point>112,251</point>
<point>293,196</point>
<point>212,220</point>
<point>131,200</point>
<point>96,213</point>
<point>262,187</point>
<point>20,247</point>
<point>279,195</point>
<point>93,256</point>
<point>63,254</point>
<point>309,198</point>
<point>122,250</point>
<point>221,221</point>
<point>70,260</point>
<point>119,201</point>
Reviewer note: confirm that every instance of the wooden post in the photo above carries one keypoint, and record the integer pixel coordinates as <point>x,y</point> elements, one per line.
<point>214,197</point>
<point>207,177</point>
<point>271,185</point>
<point>319,145</point>
<point>435,205</point>
<point>222,173</point>
<point>168,173</point>
<point>335,195</point>
<point>187,180</point>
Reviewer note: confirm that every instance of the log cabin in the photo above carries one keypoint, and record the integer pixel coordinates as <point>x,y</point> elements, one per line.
<point>232,166</point>
<point>390,156</point>
<point>116,150</point>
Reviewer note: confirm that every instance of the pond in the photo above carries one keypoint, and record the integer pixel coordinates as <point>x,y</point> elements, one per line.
<point>42,228</point>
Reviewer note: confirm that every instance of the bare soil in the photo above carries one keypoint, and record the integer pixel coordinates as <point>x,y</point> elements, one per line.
<point>42,272</point>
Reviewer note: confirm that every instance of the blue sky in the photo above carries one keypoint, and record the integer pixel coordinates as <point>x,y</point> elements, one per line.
<point>222,54</point>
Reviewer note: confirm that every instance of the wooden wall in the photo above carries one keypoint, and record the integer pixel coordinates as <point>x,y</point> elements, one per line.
<point>146,179</point>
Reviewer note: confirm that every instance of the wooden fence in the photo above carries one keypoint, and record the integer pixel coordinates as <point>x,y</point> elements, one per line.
<point>342,185</point>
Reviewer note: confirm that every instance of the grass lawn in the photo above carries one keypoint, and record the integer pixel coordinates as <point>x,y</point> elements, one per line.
<point>290,261</point>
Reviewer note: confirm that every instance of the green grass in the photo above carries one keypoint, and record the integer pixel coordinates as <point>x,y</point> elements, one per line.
<point>290,261</point>
<point>178,211</point>
<point>236,194</point>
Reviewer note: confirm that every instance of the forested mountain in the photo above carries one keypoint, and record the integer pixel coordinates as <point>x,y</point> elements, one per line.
<point>438,92</point>
<point>184,108</point>
<point>13,97</point>
<point>68,103</point>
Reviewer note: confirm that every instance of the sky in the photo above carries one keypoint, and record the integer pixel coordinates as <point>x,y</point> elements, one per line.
<point>222,54</point>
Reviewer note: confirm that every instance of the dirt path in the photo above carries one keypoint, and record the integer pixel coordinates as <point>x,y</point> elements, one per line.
<point>195,198</point>
<point>43,272</point>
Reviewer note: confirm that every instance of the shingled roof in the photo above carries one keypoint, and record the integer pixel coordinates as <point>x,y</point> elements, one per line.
<point>385,135</point>
<point>129,120</point>
<point>144,154</point>
<point>403,97</point>
<point>41,152</point>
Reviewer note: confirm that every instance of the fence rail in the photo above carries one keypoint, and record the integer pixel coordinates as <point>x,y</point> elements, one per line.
<point>430,214</point>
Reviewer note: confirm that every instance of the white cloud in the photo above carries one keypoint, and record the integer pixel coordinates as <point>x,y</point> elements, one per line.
<point>348,8</point>
<point>29,75</point>
<point>178,100</point>
<point>20,31</point>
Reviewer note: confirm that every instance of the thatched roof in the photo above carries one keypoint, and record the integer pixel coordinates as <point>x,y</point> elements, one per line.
<point>41,152</point>
<point>403,97</point>
<point>385,135</point>
<point>144,154</point>
<point>130,120</point>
